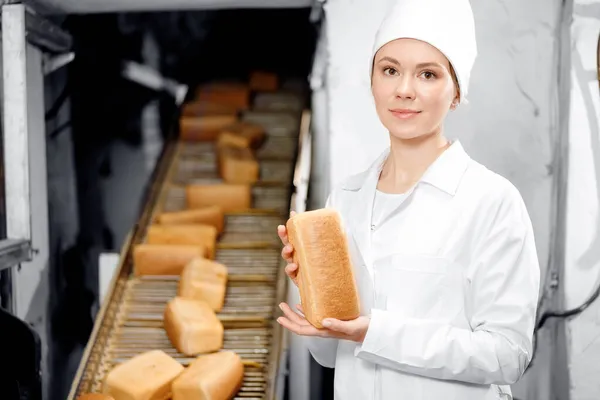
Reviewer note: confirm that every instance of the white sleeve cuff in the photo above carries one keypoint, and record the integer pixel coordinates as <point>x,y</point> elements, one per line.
<point>372,341</point>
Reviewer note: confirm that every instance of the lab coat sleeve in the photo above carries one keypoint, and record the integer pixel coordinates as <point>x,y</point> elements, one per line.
<point>323,350</point>
<point>501,302</point>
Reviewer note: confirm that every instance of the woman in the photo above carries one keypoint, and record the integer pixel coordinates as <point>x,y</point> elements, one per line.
<point>443,248</point>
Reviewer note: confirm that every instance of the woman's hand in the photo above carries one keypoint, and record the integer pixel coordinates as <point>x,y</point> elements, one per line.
<point>354,330</point>
<point>287,253</point>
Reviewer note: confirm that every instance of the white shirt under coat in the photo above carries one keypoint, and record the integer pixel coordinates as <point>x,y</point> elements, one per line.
<point>453,297</point>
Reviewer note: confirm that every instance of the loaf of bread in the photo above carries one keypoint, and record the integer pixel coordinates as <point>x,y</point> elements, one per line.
<point>205,128</point>
<point>163,259</point>
<point>231,94</point>
<point>192,326</point>
<point>262,81</point>
<point>325,274</point>
<point>95,396</point>
<point>230,197</point>
<point>238,165</point>
<point>212,215</point>
<point>205,280</point>
<point>202,108</point>
<point>192,234</point>
<point>147,376</point>
<point>217,376</point>
<point>242,134</point>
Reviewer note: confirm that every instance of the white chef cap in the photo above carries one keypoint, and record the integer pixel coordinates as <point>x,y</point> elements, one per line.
<point>447,25</point>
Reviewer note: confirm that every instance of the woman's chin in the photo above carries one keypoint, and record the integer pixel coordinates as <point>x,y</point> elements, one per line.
<point>406,135</point>
<point>412,133</point>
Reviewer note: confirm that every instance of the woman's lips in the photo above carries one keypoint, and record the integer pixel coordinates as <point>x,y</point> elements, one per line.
<point>404,113</point>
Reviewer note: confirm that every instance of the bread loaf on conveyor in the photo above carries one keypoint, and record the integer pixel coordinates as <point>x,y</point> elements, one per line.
<point>190,234</point>
<point>147,376</point>
<point>325,274</point>
<point>201,108</point>
<point>242,134</point>
<point>95,396</point>
<point>238,165</point>
<point>205,280</point>
<point>230,197</point>
<point>205,128</point>
<point>230,94</point>
<point>216,376</point>
<point>212,215</point>
<point>164,259</point>
<point>262,81</point>
<point>192,326</point>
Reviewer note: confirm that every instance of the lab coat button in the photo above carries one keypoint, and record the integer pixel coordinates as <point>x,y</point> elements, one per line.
<point>373,227</point>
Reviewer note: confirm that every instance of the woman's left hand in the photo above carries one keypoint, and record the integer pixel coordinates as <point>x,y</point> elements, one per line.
<point>354,330</point>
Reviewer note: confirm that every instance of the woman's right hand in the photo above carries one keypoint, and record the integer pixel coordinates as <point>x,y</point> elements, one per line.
<point>291,269</point>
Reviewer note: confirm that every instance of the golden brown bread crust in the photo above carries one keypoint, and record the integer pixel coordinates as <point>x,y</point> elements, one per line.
<point>212,215</point>
<point>204,128</point>
<point>204,280</point>
<point>95,396</point>
<point>262,81</point>
<point>216,376</point>
<point>325,275</point>
<point>200,108</point>
<point>189,234</point>
<point>192,326</point>
<point>230,197</point>
<point>228,139</point>
<point>242,134</point>
<point>162,259</point>
<point>147,376</point>
<point>231,94</point>
<point>237,165</point>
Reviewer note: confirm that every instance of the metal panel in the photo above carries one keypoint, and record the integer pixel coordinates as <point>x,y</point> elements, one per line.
<point>103,6</point>
<point>13,252</point>
<point>16,144</point>
<point>16,141</point>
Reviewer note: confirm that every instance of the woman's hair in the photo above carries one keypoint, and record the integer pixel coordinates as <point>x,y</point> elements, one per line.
<point>455,80</point>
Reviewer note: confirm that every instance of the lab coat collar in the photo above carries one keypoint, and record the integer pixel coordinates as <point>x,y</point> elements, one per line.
<point>448,169</point>
<point>445,173</point>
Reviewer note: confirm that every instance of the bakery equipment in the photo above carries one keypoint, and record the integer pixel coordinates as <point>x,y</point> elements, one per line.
<point>130,320</point>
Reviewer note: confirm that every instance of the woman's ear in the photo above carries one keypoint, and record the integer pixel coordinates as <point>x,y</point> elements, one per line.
<point>454,103</point>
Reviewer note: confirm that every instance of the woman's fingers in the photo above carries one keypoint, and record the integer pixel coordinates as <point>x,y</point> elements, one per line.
<point>304,330</point>
<point>296,323</point>
<point>282,233</point>
<point>291,270</point>
<point>292,316</point>
<point>299,325</point>
<point>286,253</point>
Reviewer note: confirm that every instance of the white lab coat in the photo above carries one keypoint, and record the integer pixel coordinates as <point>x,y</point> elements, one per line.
<point>453,307</point>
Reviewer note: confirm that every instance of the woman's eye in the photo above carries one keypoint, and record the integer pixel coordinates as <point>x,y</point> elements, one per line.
<point>389,71</point>
<point>428,75</point>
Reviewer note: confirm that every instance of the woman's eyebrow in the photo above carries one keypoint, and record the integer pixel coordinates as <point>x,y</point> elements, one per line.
<point>429,64</point>
<point>390,59</point>
<point>421,65</point>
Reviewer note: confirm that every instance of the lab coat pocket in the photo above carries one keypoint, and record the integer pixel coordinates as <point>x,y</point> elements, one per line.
<point>412,285</point>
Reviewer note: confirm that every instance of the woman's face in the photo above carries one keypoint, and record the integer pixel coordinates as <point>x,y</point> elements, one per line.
<point>413,88</point>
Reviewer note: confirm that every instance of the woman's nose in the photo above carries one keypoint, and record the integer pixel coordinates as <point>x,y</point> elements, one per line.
<point>405,88</point>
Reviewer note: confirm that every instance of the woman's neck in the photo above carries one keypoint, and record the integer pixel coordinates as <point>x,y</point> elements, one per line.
<point>408,161</point>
